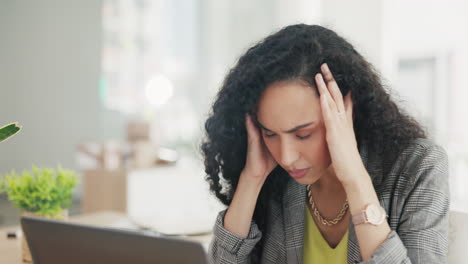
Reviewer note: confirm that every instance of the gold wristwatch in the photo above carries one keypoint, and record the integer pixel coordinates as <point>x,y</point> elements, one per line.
<point>373,214</point>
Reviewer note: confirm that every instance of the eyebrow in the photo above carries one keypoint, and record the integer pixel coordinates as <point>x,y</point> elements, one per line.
<point>290,130</point>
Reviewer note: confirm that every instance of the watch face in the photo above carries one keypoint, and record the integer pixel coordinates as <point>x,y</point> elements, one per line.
<point>374,214</point>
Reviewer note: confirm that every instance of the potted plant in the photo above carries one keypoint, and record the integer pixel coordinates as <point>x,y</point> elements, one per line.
<point>40,192</point>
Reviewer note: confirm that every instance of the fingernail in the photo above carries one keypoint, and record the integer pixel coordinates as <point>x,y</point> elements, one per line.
<point>325,67</point>
<point>317,77</point>
<point>321,78</point>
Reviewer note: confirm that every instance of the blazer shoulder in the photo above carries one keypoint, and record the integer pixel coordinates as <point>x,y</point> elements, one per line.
<point>422,150</point>
<point>424,144</point>
<point>423,158</point>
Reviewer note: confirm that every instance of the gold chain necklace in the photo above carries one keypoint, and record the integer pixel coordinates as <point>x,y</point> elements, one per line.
<point>320,217</point>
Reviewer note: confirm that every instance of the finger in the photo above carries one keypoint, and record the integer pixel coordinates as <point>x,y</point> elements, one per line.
<point>326,111</point>
<point>333,87</point>
<point>323,90</point>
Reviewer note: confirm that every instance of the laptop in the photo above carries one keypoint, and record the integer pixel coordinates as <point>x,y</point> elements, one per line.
<point>56,242</point>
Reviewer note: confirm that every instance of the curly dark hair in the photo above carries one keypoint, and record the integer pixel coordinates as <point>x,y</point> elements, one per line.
<point>296,53</point>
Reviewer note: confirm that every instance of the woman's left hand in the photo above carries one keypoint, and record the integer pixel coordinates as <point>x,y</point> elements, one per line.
<point>338,117</point>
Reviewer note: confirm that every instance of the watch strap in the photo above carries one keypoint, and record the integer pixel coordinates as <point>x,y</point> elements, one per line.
<point>359,218</point>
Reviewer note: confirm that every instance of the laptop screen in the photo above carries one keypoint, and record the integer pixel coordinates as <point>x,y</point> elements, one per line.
<point>56,242</point>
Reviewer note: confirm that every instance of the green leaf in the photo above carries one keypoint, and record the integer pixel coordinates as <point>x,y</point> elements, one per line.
<point>8,131</point>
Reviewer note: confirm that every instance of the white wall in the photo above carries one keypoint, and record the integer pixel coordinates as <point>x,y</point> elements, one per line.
<point>49,75</point>
<point>364,23</point>
<point>440,29</point>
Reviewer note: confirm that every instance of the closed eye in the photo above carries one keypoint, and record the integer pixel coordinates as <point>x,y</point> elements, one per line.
<point>303,137</point>
<point>298,136</point>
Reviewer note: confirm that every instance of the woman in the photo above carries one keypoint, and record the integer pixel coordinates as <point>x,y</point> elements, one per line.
<point>317,164</point>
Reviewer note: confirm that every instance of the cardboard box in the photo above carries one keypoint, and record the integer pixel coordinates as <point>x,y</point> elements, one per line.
<point>104,190</point>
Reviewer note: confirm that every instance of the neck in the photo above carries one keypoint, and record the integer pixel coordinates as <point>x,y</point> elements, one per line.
<point>328,183</point>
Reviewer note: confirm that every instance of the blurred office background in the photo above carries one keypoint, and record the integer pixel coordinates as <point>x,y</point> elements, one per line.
<point>80,75</point>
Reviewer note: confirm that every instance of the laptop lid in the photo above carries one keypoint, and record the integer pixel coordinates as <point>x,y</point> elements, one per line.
<point>56,242</point>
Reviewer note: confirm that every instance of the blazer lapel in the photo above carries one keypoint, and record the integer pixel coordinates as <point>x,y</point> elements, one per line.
<point>354,254</point>
<point>294,213</point>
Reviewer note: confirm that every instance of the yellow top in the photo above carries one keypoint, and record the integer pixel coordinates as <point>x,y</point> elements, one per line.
<point>316,248</point>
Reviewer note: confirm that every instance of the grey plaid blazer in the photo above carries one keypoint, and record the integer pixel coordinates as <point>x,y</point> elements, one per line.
<point>413,190</point>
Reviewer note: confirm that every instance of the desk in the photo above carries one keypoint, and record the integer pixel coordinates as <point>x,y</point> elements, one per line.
<point>10,249</point>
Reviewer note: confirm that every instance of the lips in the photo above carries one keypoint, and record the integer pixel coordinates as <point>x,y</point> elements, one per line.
<point>297,174</point>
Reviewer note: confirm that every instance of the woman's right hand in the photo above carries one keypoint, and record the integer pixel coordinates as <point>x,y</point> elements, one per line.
<point>259,162</point>
<point>258,165</point>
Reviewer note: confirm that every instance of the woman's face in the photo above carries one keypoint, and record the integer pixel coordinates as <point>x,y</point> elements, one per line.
<point>293,130</point>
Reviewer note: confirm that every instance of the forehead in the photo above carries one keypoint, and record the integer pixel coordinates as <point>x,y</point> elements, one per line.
<point>284,105</point>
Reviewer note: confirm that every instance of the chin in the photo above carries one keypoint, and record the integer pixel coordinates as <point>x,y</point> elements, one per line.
<point>308,179</point>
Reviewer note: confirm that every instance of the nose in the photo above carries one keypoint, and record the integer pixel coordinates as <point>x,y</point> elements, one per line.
<point>289,153</point>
